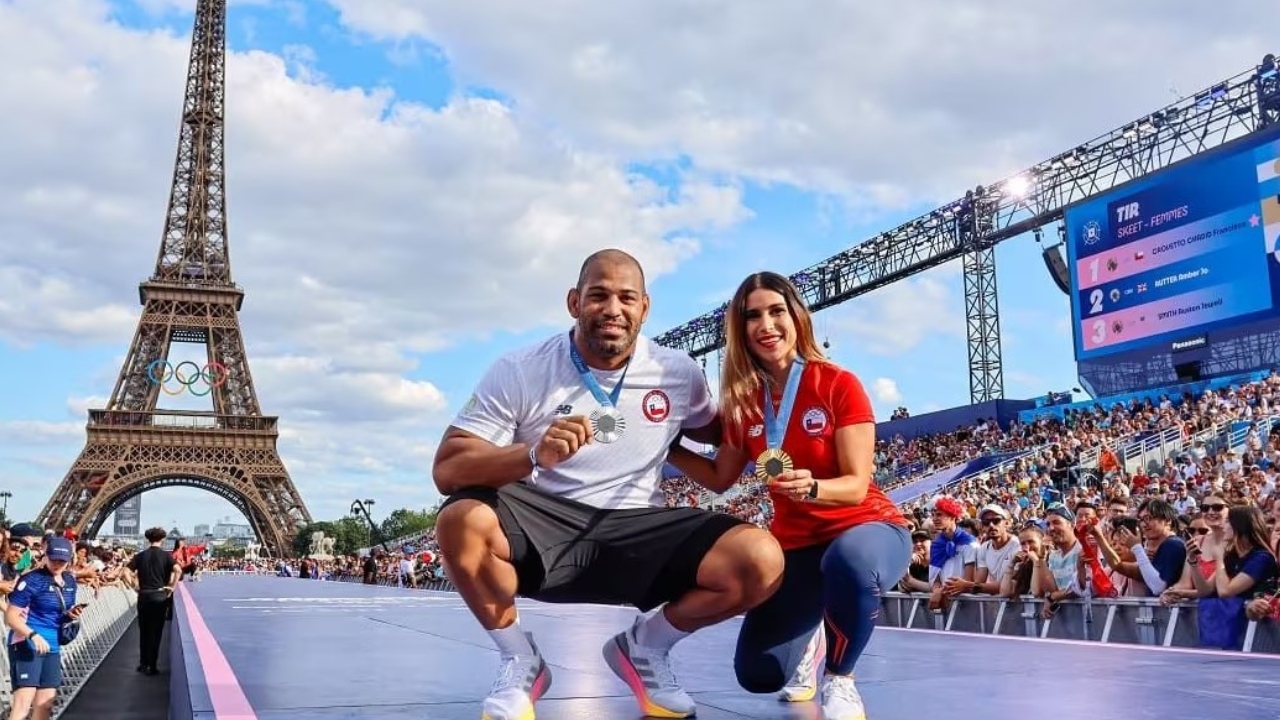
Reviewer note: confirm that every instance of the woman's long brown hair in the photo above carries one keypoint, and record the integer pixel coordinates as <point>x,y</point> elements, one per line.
<point>1249,527</point>
<point>741,375</point>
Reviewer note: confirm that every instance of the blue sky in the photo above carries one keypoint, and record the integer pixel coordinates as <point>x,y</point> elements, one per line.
<point>361,405</point>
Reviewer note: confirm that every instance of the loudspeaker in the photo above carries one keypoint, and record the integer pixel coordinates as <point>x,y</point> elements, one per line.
<point>1188,371</point>
<point>1057,266</point>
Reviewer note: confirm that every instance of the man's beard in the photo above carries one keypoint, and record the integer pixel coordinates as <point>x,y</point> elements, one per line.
<point>607,348</point>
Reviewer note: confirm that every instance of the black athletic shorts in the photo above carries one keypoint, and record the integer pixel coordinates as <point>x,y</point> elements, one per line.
<point>567,552</point>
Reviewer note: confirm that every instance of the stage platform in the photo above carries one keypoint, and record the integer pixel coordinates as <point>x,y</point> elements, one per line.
<point>283,649</point>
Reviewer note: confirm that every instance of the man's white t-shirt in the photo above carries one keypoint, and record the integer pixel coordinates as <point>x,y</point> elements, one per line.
<point>663,392</point>
<point>996,560</point>
<point>954,566</point>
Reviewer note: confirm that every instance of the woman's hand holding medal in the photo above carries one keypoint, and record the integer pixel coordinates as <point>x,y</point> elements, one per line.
<point>796,484</point>
<point>774,466</point>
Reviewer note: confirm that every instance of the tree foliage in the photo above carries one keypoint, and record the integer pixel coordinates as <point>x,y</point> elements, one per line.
<point>302,541</point>
<point>350,533</point>
<point>406,522</point>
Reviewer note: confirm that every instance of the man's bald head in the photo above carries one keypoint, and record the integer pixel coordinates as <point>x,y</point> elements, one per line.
<point>609,258</point>
<point>610,305</point>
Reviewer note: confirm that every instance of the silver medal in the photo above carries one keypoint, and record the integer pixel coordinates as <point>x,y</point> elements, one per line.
<point>607,424</point>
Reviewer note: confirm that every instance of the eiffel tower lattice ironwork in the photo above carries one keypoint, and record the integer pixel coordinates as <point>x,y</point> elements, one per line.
<point>132,446</point>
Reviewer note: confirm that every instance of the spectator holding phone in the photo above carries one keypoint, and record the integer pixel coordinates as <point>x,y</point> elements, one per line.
<point>1247,568</point>
<point>1157,552</point>
<point>37,606</point>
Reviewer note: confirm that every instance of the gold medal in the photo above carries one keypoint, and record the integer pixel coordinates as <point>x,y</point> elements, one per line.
<point>772,463</point>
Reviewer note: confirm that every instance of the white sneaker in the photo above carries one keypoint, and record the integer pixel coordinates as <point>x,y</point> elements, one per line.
<point>648,673</point>
<point>840,699</point>
<point>803,685</point>
<point>521,682</point>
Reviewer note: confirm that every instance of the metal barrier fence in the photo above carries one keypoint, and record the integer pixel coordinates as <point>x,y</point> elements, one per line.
<point>1141,621</point>
<point>1133,620</point>
<point>104,621</point>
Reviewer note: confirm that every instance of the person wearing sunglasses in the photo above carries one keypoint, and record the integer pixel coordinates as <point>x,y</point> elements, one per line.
<point>1199,531</point>
<point>14,548</point>
<point>32,538</point>
<point>37,606</point>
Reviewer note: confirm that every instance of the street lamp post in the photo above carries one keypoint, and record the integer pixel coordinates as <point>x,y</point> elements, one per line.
<point>361,508</point>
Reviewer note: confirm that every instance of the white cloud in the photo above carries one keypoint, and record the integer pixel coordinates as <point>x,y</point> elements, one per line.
<point>902,317</point>
<point>366,230</point>
<point>356,216</point>
<point>188,6</point>
<point>313,389</point>
<point>35,304</point>
<point>881,100</point>
<point>26,433</point>
<point>885,390</point>
<point>369,231</point>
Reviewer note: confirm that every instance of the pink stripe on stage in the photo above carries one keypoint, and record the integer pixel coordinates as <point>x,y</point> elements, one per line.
<point>229,701</point>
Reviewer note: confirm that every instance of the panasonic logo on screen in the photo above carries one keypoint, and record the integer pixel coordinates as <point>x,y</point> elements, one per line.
<point>1190,344</point>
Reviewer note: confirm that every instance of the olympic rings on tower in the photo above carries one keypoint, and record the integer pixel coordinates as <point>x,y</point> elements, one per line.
<point>187,374</point>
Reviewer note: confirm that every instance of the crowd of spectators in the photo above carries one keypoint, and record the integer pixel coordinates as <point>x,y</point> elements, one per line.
<point>902,461</point>
<point>1203,528</point>
<point>95,564</point>
<point>1053,451</point>
<point>1043,524</point>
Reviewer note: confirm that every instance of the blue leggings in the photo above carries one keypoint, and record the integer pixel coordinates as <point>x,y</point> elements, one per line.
<point>841,581</point>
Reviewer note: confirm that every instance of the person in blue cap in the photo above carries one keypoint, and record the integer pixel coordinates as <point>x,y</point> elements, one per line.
<point>32,538</point>
<point>37,606</point>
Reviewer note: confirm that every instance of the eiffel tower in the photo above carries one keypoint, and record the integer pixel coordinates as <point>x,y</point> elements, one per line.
<point>133,447</point>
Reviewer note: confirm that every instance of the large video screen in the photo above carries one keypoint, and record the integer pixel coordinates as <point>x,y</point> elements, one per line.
<point>1171,257</point>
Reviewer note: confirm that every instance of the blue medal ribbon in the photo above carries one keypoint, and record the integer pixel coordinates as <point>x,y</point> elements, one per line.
<point>775,425</point>
<point>589,379</point>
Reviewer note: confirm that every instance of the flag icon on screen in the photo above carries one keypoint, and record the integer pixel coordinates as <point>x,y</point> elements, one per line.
<point>1142,287</point>
<point>1139,255</point>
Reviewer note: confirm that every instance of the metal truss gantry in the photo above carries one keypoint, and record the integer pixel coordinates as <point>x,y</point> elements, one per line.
<point>972,226</point>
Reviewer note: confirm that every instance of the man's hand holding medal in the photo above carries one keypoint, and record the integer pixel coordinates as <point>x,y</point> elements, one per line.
<point>562,440</point>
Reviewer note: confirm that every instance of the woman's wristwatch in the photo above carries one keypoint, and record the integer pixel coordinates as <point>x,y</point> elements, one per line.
<point>813,491</point>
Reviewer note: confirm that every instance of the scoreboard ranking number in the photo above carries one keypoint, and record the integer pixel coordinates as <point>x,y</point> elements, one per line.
<point>1188,250</point>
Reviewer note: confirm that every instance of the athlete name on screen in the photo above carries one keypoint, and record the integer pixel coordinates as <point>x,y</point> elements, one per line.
<point>1202,235</point>
<point>1188,275</point>
<point>1156,220</point>
<point>1188,309</point>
